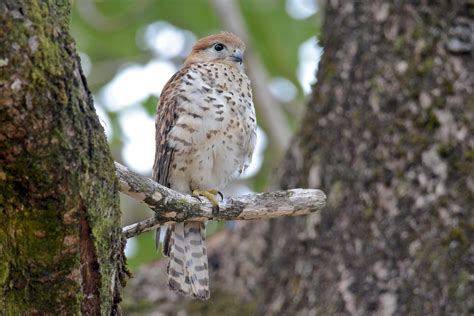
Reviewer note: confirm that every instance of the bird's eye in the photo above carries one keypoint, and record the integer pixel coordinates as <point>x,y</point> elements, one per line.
<point>218,47</point>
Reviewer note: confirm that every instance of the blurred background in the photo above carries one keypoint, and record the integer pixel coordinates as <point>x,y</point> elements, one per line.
<point>129,50</point>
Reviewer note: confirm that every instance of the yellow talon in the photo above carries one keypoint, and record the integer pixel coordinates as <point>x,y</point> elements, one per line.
<point>209,194</point>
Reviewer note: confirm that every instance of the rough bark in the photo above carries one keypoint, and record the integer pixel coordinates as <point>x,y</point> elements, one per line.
<point>389,135</point>
<point>60,236</point>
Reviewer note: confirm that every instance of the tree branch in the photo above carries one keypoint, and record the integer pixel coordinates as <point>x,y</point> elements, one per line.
<point>172,206</point>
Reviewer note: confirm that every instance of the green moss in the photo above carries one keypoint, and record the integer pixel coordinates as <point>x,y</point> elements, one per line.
<point>469,154</point>
<point>425,67</point>
<point>464,167</point>
<point>336,194</point>
<point>457,234</point>
<point>399,43</point>
<point>428,122</point>
<point>182,204</point>
<point>470,105</point>
<point>368,213</point>
<point>330,70</point>
<point>459,290</point>
<point>4,270</point>
<point>440,101</point>
<point>448,87</point>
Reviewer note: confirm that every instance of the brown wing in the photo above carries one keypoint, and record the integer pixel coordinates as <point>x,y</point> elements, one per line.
<point>166,117</point>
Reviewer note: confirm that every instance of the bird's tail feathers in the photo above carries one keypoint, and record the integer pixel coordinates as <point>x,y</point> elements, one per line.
<point>187,268</point>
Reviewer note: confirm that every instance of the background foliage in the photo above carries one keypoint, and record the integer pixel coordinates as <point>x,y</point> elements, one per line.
<point>127,63</point>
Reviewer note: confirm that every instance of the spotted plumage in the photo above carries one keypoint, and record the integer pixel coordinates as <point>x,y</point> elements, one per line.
<point>205,136</point>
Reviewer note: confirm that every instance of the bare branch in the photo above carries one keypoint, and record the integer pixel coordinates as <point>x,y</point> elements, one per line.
<point>172,206</point>
<point>140,227</point>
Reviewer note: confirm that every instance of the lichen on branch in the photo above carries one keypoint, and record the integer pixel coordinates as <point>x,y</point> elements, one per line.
<point>172,206</point>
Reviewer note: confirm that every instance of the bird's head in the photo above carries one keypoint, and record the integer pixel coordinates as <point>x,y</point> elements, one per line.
<point>223,48</point>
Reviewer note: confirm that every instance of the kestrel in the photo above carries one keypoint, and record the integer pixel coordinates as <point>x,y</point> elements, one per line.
<point>205,136</point>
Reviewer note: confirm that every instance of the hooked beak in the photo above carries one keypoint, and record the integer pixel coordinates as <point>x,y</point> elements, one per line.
<point>237,56</point>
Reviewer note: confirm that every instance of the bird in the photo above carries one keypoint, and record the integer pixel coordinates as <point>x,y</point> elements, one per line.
<point>205,137</point>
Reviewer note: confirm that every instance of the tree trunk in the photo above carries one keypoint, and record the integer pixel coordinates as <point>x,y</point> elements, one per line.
<point>389,136</point>
<point>60,237</point>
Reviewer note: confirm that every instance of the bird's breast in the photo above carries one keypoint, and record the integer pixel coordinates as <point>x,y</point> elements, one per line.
<point>214,134</point>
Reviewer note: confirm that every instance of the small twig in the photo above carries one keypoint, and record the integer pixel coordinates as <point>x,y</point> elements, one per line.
<point>172,206</point>
<point>140,227</point>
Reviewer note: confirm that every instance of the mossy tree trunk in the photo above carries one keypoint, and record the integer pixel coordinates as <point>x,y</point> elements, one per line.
<point>389,136</point>
<point>60,238</point>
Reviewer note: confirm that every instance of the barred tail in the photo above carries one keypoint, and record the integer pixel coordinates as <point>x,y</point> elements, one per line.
<point>187,268</point>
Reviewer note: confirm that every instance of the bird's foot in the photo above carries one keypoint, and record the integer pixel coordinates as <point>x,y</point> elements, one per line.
<point>211,196</point>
